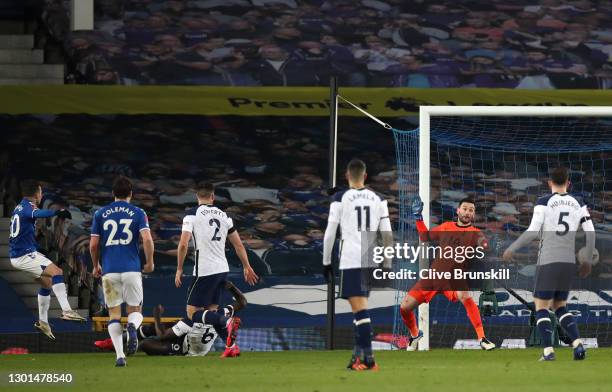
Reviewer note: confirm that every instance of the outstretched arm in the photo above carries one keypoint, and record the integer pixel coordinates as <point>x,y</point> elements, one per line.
<point>532,233</point>
<point>45,213</point>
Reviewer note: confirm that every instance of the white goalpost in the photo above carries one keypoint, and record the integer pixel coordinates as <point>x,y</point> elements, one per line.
<point>518,146</point>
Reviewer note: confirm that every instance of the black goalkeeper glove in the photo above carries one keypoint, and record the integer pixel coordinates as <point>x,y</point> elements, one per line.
<point>64,214</point>
<point>417,208</point>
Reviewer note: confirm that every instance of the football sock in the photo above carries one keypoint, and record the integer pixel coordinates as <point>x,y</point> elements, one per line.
<point>213,318</point>
<point>364,332</point>
<point>356,348</point>
<point>59,288</point>
<point>135,318</point>
<point>182,327</point>
<point>227,311</point>
<point>44,299</point>
<point>410,321</point>
<point>567,321</point>
<point>474,315</point>
<point>545,329</point>
<point>115,330</point>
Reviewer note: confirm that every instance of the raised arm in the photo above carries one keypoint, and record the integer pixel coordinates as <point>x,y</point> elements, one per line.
<point>424,233</point>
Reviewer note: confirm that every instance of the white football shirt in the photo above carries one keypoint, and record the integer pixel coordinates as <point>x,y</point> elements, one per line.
<point>358,211</point>
<point>209,227</point>
<point>557,217</point>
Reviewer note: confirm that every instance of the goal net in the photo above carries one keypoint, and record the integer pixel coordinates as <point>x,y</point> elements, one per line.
<point>501,158</point>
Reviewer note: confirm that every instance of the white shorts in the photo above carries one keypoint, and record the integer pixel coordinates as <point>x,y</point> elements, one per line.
<point>120,287</point>
<point>33,263</point>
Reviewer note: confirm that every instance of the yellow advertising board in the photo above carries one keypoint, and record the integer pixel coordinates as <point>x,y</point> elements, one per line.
<point>270,101</point>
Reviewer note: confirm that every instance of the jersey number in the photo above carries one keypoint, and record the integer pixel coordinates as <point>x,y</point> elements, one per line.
<point>15,226</point>
<point>111,241</point>
<point>366,210</point>
<point>208,336</point>
<point>217,224</point>
<point>562,222</point>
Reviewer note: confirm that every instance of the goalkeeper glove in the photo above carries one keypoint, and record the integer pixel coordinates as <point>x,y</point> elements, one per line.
<point>64,214</point>
<point>417,208</point>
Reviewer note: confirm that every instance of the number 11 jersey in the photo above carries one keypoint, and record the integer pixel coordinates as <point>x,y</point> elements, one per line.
<point>209,228</point>
<point>359,213</point>
<point>118,225</point>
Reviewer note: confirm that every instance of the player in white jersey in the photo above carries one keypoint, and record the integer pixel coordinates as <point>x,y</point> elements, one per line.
<point>361,213</point>
<point>556,219</point>
<point>209,227</point>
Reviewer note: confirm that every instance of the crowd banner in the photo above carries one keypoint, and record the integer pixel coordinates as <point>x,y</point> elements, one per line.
<point>270,101</point>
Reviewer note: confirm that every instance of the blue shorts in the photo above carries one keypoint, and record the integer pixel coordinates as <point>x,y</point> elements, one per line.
<point>206,290</point>
<point>554,281</point>
<point>355,282</point>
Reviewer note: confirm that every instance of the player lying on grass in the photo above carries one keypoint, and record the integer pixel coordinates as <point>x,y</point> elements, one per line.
<point>556,219</point>
<point>24,255</point>
<point>182,338</point>
<point>449,234</point>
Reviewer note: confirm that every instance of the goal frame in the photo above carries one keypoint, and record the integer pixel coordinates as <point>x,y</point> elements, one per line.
<point>425,115</point>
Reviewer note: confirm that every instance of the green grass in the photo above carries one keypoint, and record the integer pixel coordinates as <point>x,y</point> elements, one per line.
<point>436,370</point>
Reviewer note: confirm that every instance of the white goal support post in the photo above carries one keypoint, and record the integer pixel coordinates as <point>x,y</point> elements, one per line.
<point>539,114</point>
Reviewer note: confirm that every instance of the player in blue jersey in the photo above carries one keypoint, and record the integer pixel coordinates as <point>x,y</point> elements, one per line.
<point>25,257</point>
<point>115,232</point>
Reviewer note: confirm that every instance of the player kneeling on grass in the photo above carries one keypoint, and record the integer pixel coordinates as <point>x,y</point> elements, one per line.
<point>25,257</point>
<point>115,232</point>
<point>182,338</point>
<point>356,210</point>
<point>556,219</point>
<point>210,228</point>
<point>449,234</point>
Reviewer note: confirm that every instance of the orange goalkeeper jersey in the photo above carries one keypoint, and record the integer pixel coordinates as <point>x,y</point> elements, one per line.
<point>447,236</point>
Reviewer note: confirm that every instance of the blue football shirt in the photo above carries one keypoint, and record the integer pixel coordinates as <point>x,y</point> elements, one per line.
<point>119,225</point>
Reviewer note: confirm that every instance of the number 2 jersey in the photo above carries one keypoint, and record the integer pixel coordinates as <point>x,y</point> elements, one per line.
<point>358,211</point>
<point>118,225</point>
<point>209,228</point>
<point>557,217</point>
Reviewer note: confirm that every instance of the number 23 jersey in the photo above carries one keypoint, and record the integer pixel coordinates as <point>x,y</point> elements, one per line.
<point>118,225</point>
<point>209,228</point>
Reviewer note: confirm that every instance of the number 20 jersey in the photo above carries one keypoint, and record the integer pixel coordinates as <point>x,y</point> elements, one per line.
<point>118,225</point>
<point>209,227</point>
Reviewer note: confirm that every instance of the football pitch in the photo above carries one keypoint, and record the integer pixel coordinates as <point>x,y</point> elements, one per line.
<point>312,371</point>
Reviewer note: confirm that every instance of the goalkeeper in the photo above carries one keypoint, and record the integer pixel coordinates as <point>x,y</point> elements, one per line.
<point>449,235</point>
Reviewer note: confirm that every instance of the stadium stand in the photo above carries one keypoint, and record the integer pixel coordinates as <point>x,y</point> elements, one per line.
<point>552,44</point>
<point>270,183</point>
